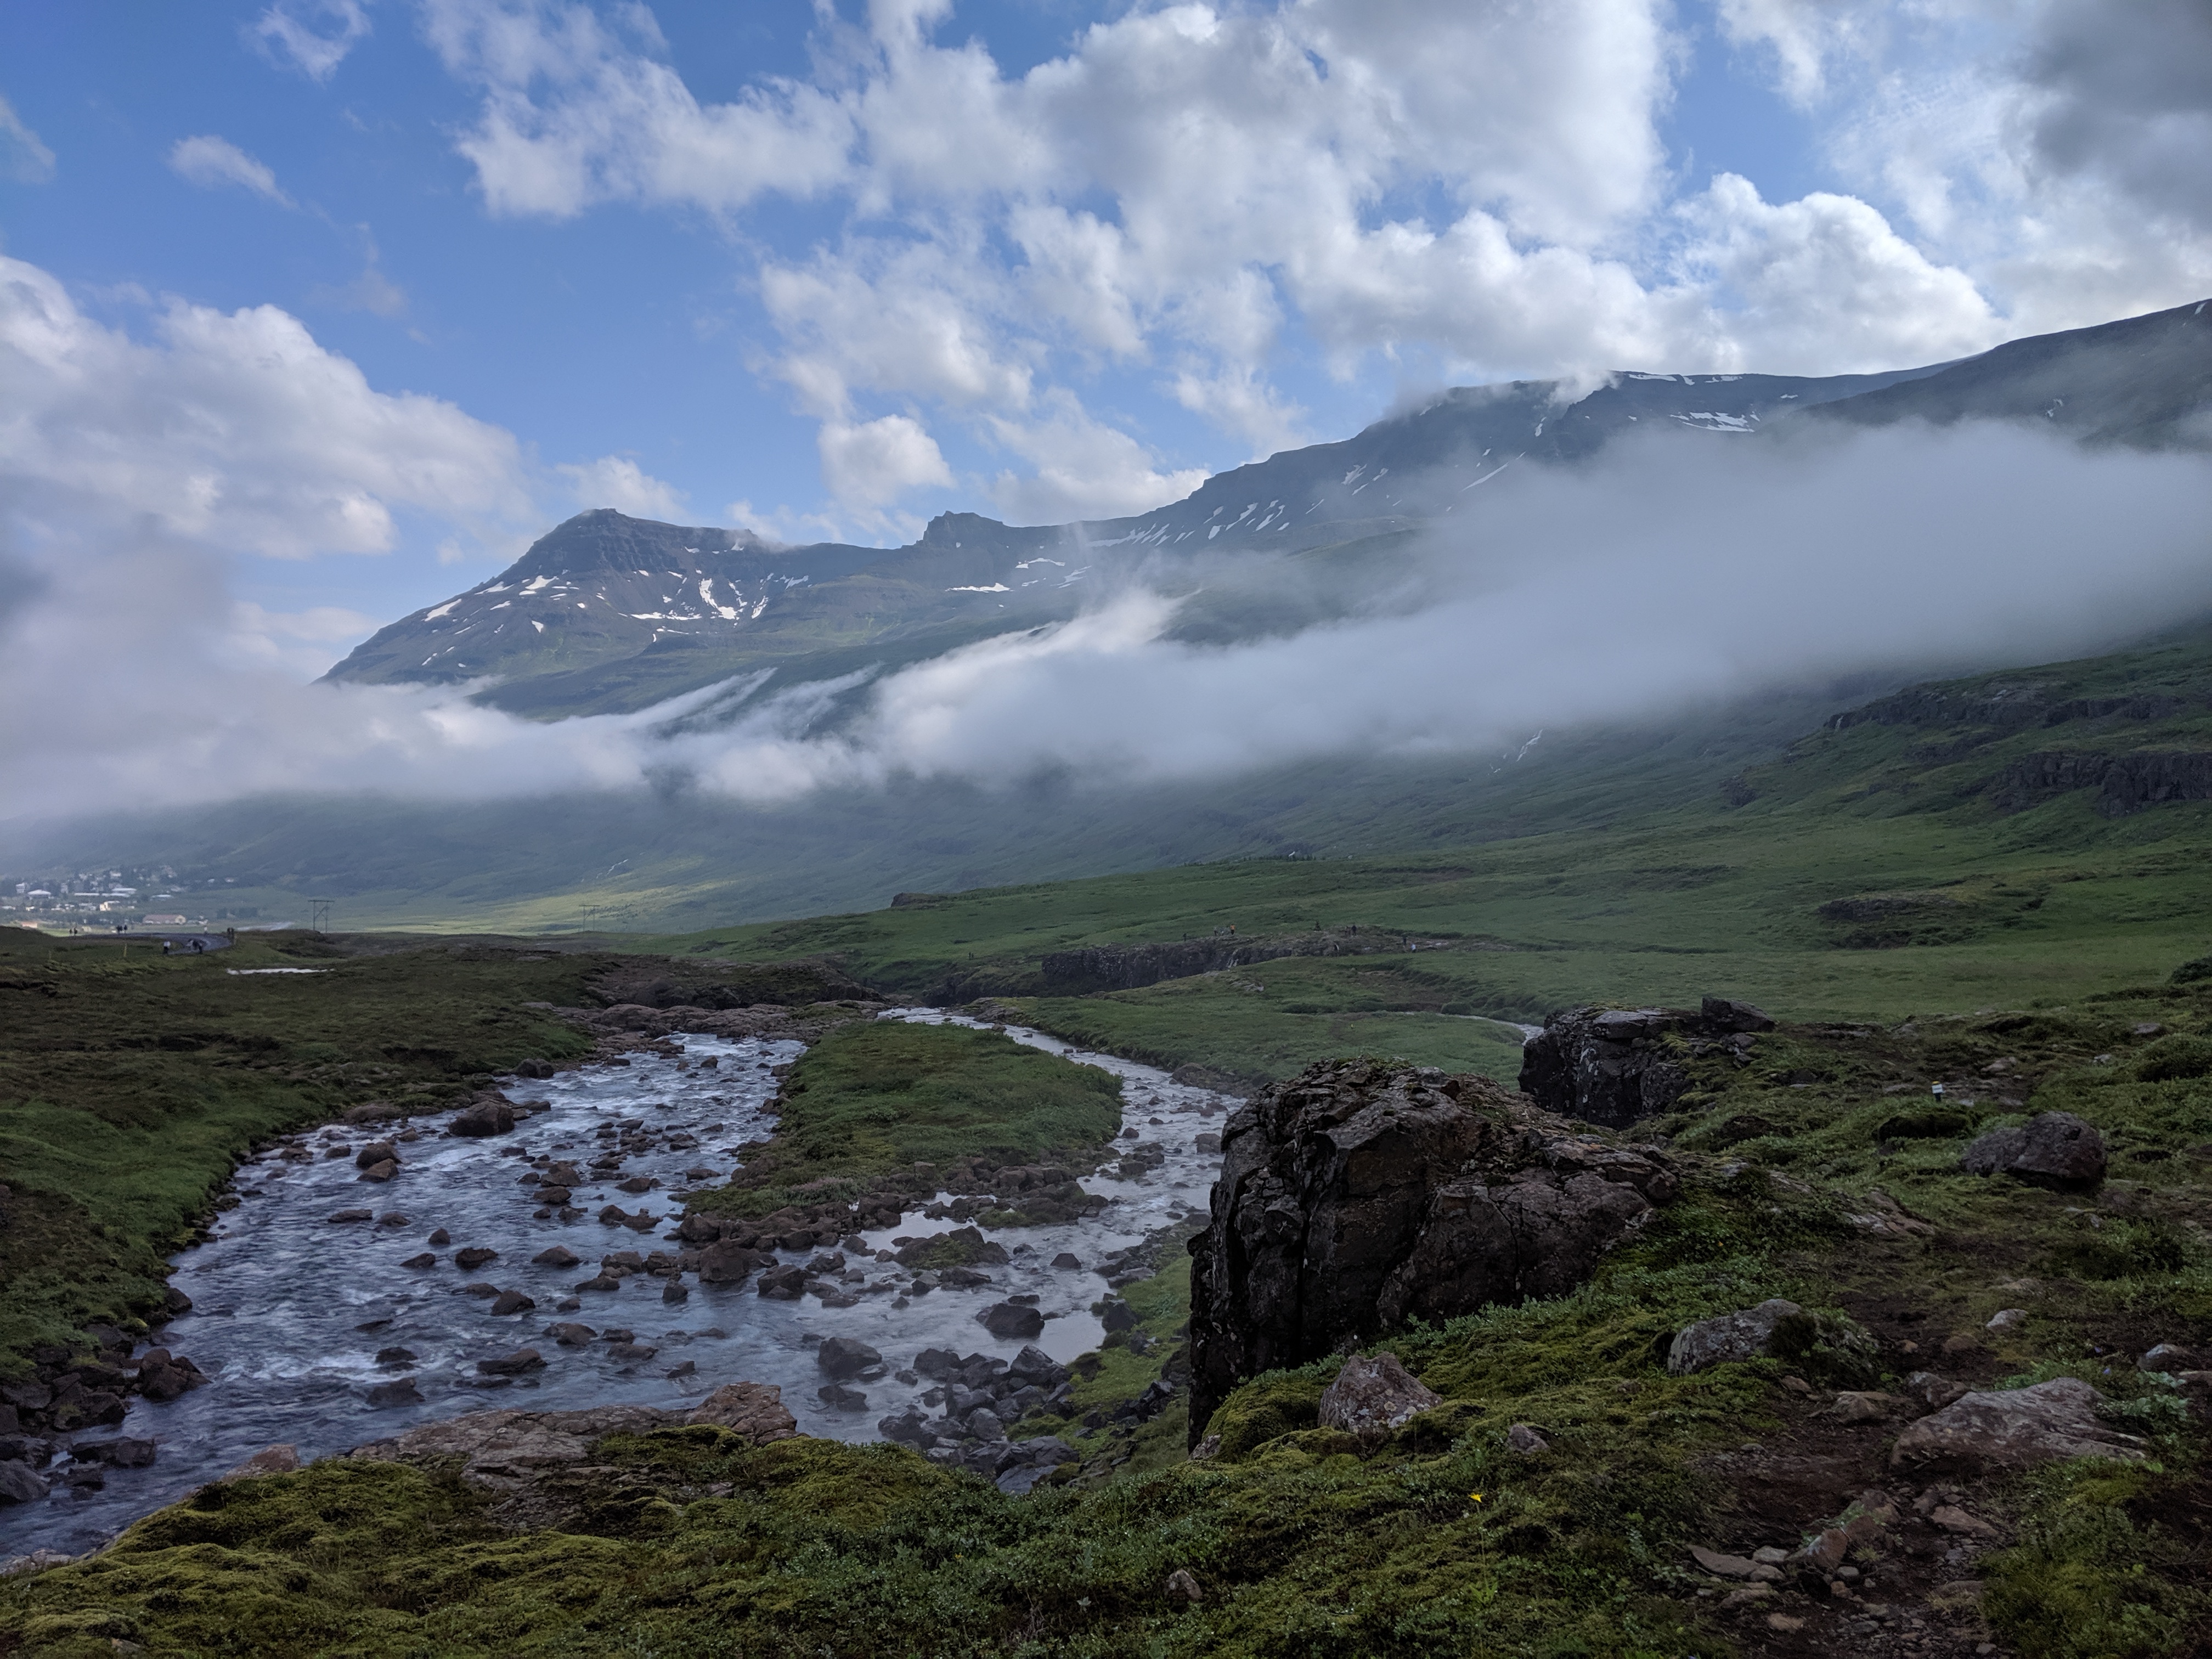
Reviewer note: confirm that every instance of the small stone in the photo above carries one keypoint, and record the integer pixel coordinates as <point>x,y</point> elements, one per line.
<point>1953,1519</point>
<point>383,1171</point>
<point>559,1255</point>
<point>395,1356</point>
<point>1066,1259</point>
<point>2167,1357</point>
<point>512,1364</point>
<point>403,1392</point>
<point>1182,1587</point>
<point>512,1301</point>
<point>468,1260</point>
<point>1855,1405</point>
<point>353,1215</point>
<point>1783,1622</point>
<point>1745,1596</point>
<point>1525,1441</point>
<point>439,1238</point>
<point>1770,1555</point>
<point>2006,1321</point>
<point>631,1353</point>
<point>1796,1385</point>
<point>842,1357</point>
<point>569,1334</point>
<point>422,1259</point>
<point>1723,1566</point>
<point>1009,1321</point>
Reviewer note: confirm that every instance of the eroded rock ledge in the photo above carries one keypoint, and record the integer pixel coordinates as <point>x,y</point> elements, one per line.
<point>1360,1193</point>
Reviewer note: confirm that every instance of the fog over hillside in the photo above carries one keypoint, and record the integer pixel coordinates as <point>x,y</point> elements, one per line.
<point>1663,577</point>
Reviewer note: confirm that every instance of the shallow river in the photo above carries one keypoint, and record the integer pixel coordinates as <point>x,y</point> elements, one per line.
<point>290,1308</point>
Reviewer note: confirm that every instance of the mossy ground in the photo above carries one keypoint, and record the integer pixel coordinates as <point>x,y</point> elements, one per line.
<point>132,1083</point>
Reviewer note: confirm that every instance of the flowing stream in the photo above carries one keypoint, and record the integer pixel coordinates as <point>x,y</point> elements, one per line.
<point>291,1309</point>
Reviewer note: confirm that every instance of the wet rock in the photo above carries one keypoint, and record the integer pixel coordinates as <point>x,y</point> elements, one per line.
<point>558,1256</point>
<point>2014,1428</point>
<point>1067,1261</point>
<point>2053,1149</point>
<point>1208,1142</point>
<point>123,1452</point>
<point>270,1460</point>
<point>842,1357</point>
<point>673,1292</point>
<point>1725,1337</point>
<point>20,1483</point>
<point>522,1360</point>
<point>491,1114</point>
<point>631,1353</point>
<point>394,1218</point>
<point>1035,1366</point>
<point>728,1262</point>
<point>839,1397</point>
<point>1372,1393</point>
<point>383,1171</point>
<point>936,1363</point>
<point>1361,1193</point>
<point>785,1283</point>
<point>636,1184</point>
<point>569,1334</point>
<point>551,1197</point>
<point>1119,1317</point>
<point>402,1391</point>
<point>353,1215</point>
<point>439,1238</point>
<point>1008,1320</point>
<point>395,1356</point>
<point>908,1428</point>
<point>512,1301</point>
<point>377,1152</point>
<point>983,1424</point>
<point>468,1260</point>
<point>604,1283</point>
<point>484,1290</point>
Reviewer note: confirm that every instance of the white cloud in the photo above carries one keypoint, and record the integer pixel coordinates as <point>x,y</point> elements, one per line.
<point>313,36</point>
<point>1081,469</point>
<point>234,429</point>
<point>23,157</point>
<point>208,161</point>
<point>617,481</point>
<point>302,644</point>
<point>873,464</point>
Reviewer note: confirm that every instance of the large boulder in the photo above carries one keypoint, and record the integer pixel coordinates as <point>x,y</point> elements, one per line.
<point>2012,1429</point>
<point>1360,1193</point>
<point>1374,1392</point>
<point>1618,1066</point>
<point>489,1114</point>
<point>2053,1149</point>
<point>842,1357</point>
<point>1743,1335</point>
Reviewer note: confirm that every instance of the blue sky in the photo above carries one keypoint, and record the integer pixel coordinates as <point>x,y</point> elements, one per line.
<point>1429,194</point>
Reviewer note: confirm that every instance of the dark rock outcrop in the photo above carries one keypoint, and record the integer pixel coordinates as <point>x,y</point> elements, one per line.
<point>2053,1149</point>
<point>1618,1066</point>
<point>2125,782</point>
<point>1359,1193</point>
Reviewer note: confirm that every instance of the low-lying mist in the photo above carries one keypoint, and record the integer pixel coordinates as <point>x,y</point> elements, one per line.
<point>1675,572</point>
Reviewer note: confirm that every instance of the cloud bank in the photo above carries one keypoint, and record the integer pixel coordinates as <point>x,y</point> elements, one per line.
<point>1668,576</point>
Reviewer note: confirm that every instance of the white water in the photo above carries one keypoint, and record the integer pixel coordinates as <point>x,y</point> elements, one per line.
<point>280,1293</point>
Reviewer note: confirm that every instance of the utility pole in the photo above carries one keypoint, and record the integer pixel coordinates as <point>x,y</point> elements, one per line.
<point>320,910</point>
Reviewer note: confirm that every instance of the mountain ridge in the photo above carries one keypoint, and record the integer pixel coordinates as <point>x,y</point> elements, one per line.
<point>669,609</point>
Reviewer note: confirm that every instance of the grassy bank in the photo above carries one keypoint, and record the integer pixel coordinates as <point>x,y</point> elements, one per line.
<point>131,1085</point>
<point>873,1099</point>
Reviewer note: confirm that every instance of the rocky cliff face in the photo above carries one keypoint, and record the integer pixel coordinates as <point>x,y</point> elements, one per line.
<point>1619,1066</point>
<point>1360,1193</point>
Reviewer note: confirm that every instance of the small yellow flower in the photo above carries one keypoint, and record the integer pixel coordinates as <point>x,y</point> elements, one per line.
<point>1474,1498</point>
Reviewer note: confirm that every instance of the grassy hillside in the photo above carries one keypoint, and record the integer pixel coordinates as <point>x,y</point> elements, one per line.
<point>1905,860</point>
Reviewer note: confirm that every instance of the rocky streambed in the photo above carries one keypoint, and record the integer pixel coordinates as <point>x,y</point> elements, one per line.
<point>350,1297</point>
